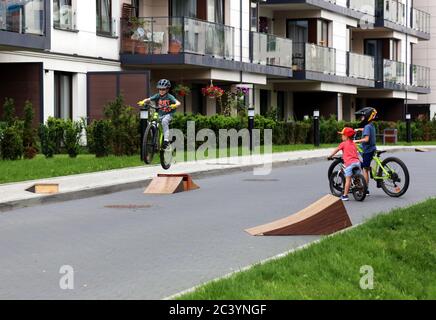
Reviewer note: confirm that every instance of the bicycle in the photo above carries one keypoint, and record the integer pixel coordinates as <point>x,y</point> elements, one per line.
<point>391,174</point>
<point>358,187</point>
<point>153,141</point>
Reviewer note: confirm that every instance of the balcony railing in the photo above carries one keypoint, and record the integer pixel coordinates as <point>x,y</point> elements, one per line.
<point>394,72</point>
<point>320,59</point>
<point>23,17</point>
<point>173,35</point>
<point>365,6</point>
<point>394,11</point>
<point>420,20</point>
<point>64,18</point>
<point>361,66</point>
<point>420,76</point>
<point>268,49</point>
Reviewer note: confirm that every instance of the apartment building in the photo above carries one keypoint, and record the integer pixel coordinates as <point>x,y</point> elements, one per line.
<point>63,55</point>
<point>346,55</point>
<point>425,54</point>
<point>72,56</point>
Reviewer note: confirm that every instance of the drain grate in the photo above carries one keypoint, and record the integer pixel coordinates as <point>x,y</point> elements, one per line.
<point>128,206</point>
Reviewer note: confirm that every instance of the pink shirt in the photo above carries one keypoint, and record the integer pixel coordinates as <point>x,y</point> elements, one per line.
<point>350,154</point>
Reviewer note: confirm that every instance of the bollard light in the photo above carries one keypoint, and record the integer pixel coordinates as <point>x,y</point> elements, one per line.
<point>409,127</point>
<point>144,114</point>
<point>408,116</point>
<point>316,114</point>
<point>251,112</point>
<point>316,128</point>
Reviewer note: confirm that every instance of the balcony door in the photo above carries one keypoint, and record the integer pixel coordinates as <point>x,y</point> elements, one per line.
<point>374,48</point>
<point>184,8</point>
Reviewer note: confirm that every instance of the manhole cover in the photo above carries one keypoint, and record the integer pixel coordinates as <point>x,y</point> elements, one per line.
<point>261,180</point>
<point>128,206</point>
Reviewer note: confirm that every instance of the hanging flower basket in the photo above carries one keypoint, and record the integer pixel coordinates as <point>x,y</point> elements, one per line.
<point>212,92</point>
<point>182,90</point>
<point>242,92</point>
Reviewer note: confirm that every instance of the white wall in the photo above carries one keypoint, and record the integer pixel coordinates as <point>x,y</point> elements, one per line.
<point>86,42</point>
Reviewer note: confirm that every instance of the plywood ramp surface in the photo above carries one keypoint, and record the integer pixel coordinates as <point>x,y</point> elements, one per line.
<point>326,216</point>
<point>165,185</point>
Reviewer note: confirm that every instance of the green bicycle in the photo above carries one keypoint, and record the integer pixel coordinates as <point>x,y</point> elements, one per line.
<point>153,141</point>
<point>390,174</point>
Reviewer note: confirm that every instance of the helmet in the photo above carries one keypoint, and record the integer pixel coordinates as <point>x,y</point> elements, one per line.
<point>163,84</point>
<point>348,132</point>
<point>369,113</point>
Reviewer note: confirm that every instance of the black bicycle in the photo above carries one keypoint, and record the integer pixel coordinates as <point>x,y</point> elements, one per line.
<point>358,188</point>
<point>153,141</point>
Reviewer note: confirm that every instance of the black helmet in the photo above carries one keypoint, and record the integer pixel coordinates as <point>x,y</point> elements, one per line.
<point>163,84</point>
<point>369,113</point>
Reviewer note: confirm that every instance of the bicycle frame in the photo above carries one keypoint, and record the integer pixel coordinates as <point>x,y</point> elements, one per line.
<point>379,164</point>
<point>156,122</point>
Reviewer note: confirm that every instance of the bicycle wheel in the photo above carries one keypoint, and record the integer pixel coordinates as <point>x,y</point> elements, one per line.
<point>149,144</point>
<point>359,187</point>
<point>335,166</point>
<point>166,157</point>
<point>396,183</point>
<point>337,183</point>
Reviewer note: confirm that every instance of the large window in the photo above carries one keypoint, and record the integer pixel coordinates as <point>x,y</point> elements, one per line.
<point>63,95</point>
<point>22,16</point>
<point>184,8</point>
<point>322,33</point>
<point>63,14</point>
<point>104,17</point>
<point>215,11</point>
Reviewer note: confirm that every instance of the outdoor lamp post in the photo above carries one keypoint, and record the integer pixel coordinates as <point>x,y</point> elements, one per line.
<point>408,127</point>
<point>143,116</point>
<point>251,113</point>
<point>316,133</point>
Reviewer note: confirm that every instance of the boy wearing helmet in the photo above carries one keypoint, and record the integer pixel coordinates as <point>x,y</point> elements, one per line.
<point>167,104</point>
<point>350,156</point>
<point>368,142</point>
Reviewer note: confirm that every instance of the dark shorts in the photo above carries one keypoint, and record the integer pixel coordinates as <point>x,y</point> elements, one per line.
<point>367,159</point>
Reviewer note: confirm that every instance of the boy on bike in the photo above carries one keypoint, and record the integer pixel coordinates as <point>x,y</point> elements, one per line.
<point>369,139</point>
<point>350,156</point>
<point>167,104</point>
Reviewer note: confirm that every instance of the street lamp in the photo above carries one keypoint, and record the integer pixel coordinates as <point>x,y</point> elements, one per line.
<point>251,114</point>
<point>143,116</point>
<point>408,127</point>
<point>316,132</point>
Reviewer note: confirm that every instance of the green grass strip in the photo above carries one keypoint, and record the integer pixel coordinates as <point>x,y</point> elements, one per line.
<point>400,247</point>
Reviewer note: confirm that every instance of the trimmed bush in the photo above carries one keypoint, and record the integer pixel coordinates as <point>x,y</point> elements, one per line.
<point>99,135</point>
<point>29,134</point>
<point>72,137</point>
<point>12,143</point>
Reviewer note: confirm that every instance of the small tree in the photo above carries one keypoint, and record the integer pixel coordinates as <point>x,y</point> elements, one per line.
<point>72,136</point>
<point>29,132</point>
<point>12,143</point>
<point>9,112</point>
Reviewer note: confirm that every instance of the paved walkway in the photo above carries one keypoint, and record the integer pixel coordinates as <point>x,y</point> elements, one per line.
<point>108,181</point>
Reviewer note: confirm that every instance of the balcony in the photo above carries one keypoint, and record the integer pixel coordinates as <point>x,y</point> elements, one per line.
<point>271,50</point>
<point>394,72</point>
<point>177,35</point>
<point>167,41</point>
<point>361,66</point>
<point>311,57</point>
<point>420,76</point>
<point>393,14</point>
<point>25,24</point>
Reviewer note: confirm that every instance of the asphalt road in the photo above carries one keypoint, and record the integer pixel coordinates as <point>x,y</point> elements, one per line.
<point>177,242</point>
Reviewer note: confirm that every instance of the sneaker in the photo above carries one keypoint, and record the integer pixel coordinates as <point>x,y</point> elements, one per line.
<point>165,144</point>
<point>368,194</point>
<point>345,198</point>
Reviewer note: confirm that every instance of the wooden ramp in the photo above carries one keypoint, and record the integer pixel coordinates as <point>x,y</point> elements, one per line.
<point>422,150</point>
<point>44,188</point>
<point>324,217</point>
<point>171,183</point>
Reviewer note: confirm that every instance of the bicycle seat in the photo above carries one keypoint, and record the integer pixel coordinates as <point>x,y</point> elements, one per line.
<point>379,153</point>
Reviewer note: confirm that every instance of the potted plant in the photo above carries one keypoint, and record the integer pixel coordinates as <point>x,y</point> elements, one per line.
<point>134,42</point>
<point>212,91</point>
<point>175,33</point>
<point>182,90</point>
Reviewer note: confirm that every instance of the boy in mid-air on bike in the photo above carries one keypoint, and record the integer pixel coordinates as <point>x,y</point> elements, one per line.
<point>350,156</point>
<point>369,139</point>
<point>167,104</point>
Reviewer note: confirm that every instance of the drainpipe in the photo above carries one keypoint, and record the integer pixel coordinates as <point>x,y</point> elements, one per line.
<point>240,37</point>
<point>408,47</point>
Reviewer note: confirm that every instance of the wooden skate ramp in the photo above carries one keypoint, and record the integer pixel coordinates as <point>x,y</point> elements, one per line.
<point>44,188</point>
<point>324,217</point>
<point>171,183</point>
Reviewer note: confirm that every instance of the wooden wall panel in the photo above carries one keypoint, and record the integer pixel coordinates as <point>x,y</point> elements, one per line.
<point>102,88</point>
<point>134,87</point>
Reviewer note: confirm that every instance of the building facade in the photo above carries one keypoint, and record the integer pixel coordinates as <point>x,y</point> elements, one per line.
<point>70,57</point>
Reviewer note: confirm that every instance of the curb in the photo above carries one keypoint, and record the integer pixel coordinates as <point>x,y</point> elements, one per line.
<point>99,191</point>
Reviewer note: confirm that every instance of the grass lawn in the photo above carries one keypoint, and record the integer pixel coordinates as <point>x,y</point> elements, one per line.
<point>62,165</point>
<point>400,247</point>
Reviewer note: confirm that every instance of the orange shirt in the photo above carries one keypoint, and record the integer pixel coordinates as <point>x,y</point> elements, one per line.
<point>350,154</point>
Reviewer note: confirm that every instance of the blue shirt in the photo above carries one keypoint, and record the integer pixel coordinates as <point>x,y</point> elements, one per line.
<point>370,146</point>
<point>164,102</point>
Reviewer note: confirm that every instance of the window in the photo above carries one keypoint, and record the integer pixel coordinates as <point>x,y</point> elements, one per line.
<point>63,95</point>
<point>322,33</point>
<point>254,16</point>
<point>215,11</point>
<point>395,49</point>
<point>184,8</point>
<point>63,14</point>
<point>104,17</point>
